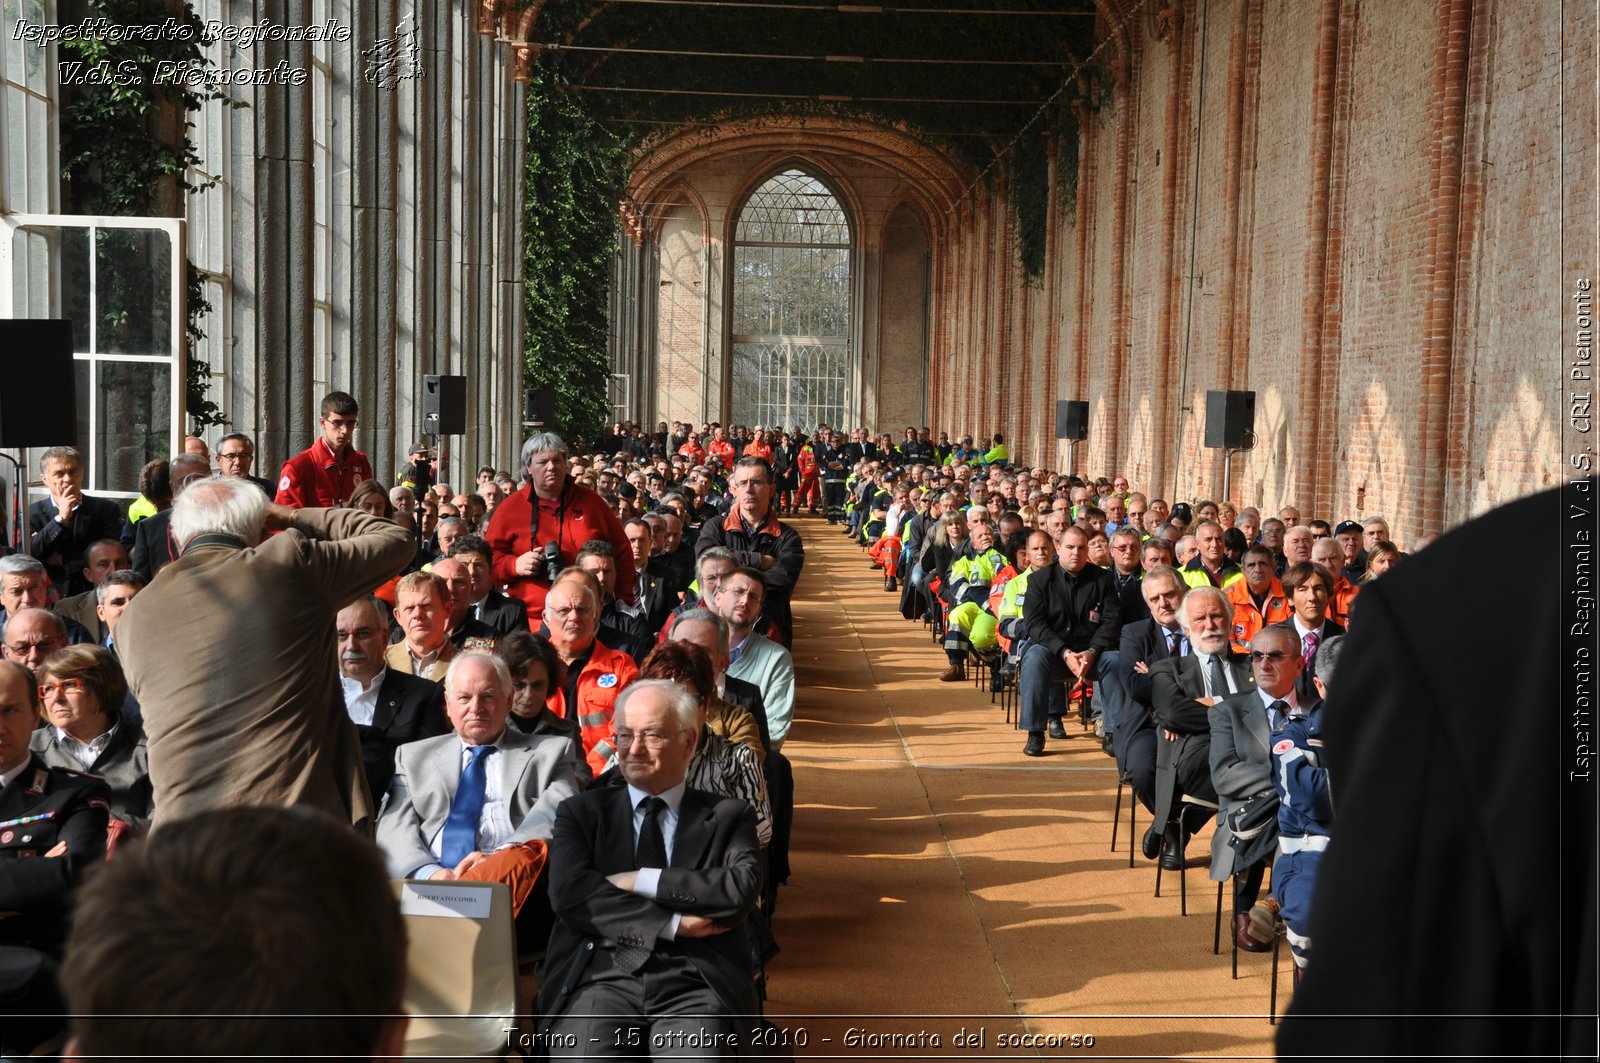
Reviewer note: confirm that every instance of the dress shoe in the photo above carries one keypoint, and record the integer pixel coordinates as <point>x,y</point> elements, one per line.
<point>1151,846</point>
<point>1242,937</point>
<point>954,674</point>
<point>1035,746</point>
<point>1056,729</point>
<point>1107,745</point>
<point>1174,840</point>
<point>890,583</point>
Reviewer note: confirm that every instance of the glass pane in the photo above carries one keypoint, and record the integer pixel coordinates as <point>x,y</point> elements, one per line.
<point>134,421</point>
<point>793,208</point>
<point>789,385</point>
<point>133,292</point>
<point>71,282</point>
<point>30,283</point>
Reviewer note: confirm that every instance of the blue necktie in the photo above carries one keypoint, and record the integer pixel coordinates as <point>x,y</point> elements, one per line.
<point>466,808</point>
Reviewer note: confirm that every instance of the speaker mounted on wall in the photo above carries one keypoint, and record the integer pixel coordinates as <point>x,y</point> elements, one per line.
<point>44,413</point>
<point>444,405</point>
<point>1072,419</point>
<point>1231,419</point>
<point>539,407</point>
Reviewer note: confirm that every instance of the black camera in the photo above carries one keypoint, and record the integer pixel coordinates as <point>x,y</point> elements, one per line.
<point>552,561</point>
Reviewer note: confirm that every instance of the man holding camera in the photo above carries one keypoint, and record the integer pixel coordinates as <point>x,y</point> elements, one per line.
<point>538,531</point>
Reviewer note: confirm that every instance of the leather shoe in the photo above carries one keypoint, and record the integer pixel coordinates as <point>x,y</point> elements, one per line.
<point>1242,938</point>
<point>1107,745</point>
<point>890,583</point>
<point>1035,746</point>
<point>1151,847</point>
<point>1174,840</point>
<point>954,674</point>
<point>1056,729</point>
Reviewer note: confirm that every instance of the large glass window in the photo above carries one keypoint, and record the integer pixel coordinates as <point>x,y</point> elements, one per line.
<point>792,359</point>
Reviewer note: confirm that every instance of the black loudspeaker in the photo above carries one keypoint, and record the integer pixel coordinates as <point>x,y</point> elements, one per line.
<point>1231,419</point>
<point>1072,419</point>
<point>444,405</point>
<point>43,412</point>
<point>539,407</point>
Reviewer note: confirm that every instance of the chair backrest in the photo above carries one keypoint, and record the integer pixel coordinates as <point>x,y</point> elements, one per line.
<point>461,961</point>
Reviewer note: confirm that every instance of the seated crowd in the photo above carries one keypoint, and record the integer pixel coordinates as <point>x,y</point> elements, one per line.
<point>577,680</point>
<point>1197,638</point>
<point>447,670</point>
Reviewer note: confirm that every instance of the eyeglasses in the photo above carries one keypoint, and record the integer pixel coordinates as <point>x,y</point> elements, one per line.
<point>340,422</point>
<point>650,739</point>
<point>1275,656</point>
<point>240,455</point>
<point>22,649</point>
<point>49,690</point>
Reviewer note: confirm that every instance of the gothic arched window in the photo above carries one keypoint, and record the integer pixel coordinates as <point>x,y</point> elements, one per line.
<point>792,359</point>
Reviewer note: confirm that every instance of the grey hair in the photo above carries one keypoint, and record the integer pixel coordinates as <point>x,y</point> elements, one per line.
<point>1203,593</point>
<point>22,565</point>
<point>719,553</point>
<point>543,443</point>
<point>502,675</point>
<point>445,522</point>
<point>703,615</point>
<point>122,577</point>
<point>1289,639</point>
<point>1167,572</point>
<point>59,454</point>
<point>1328,659</point>
<point>685,706</point>
<point>221,505</point>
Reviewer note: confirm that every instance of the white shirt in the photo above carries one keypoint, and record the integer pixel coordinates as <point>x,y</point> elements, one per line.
<point>85,753</point>
<point>1205,672</point>
<point>494,824</point>
<point>650,877</point>
<point>361,702</point>
<point>1290,699</point>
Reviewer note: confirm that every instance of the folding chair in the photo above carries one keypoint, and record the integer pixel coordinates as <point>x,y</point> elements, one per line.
<point>1133,806</point>
<point>1183,877</point>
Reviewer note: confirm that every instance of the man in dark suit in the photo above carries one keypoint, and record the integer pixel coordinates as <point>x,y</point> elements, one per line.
<point>235,454</point>
<point>652,884</point>
<point>1145,643</point>
<point>465,632</point>
<point>1242,727</point>
<point>1481,811</point>
<point>1074,620</point>
<point>63,525</point>
<point>501,612</point>
<point>103,557</point>
<point>1310,589</point>
<point>389,708</point>
<point>152,539</point>
<point>457,800</point>
<point>1183,692</point>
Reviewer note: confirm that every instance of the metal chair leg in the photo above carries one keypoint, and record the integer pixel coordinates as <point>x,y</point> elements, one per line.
<point>1216,930</point>
<point>1116,814</point>
<point>1133,828</point>
<point>1277,944</point>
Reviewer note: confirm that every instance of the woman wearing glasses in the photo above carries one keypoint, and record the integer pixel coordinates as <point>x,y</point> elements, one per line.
<point>81,691</point>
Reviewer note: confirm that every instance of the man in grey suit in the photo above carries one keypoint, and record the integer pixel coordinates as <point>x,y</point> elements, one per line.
<point>228,652</point>
<point>1183,692</point>
<point>1242,727</point>
<point>456,799</point>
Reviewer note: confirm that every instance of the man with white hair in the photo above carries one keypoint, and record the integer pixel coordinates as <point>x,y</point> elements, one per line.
<point>537,531</point>
<point>1182,692</point>
<point>652,885</point>
<point>62,526</point>
<point>242,705</point>
<point>481,792</point>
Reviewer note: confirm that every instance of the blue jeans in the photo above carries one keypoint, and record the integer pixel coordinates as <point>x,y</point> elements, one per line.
<point>1040,681</point>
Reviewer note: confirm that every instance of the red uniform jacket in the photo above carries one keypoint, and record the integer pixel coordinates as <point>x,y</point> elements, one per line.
<point>315,479</point>
<point>578,516</point>
<point>601,680</point>
<point>723,451</point>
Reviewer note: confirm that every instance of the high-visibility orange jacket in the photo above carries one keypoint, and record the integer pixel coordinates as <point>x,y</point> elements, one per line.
<point>1247,619</point>
<point>601,680</point>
